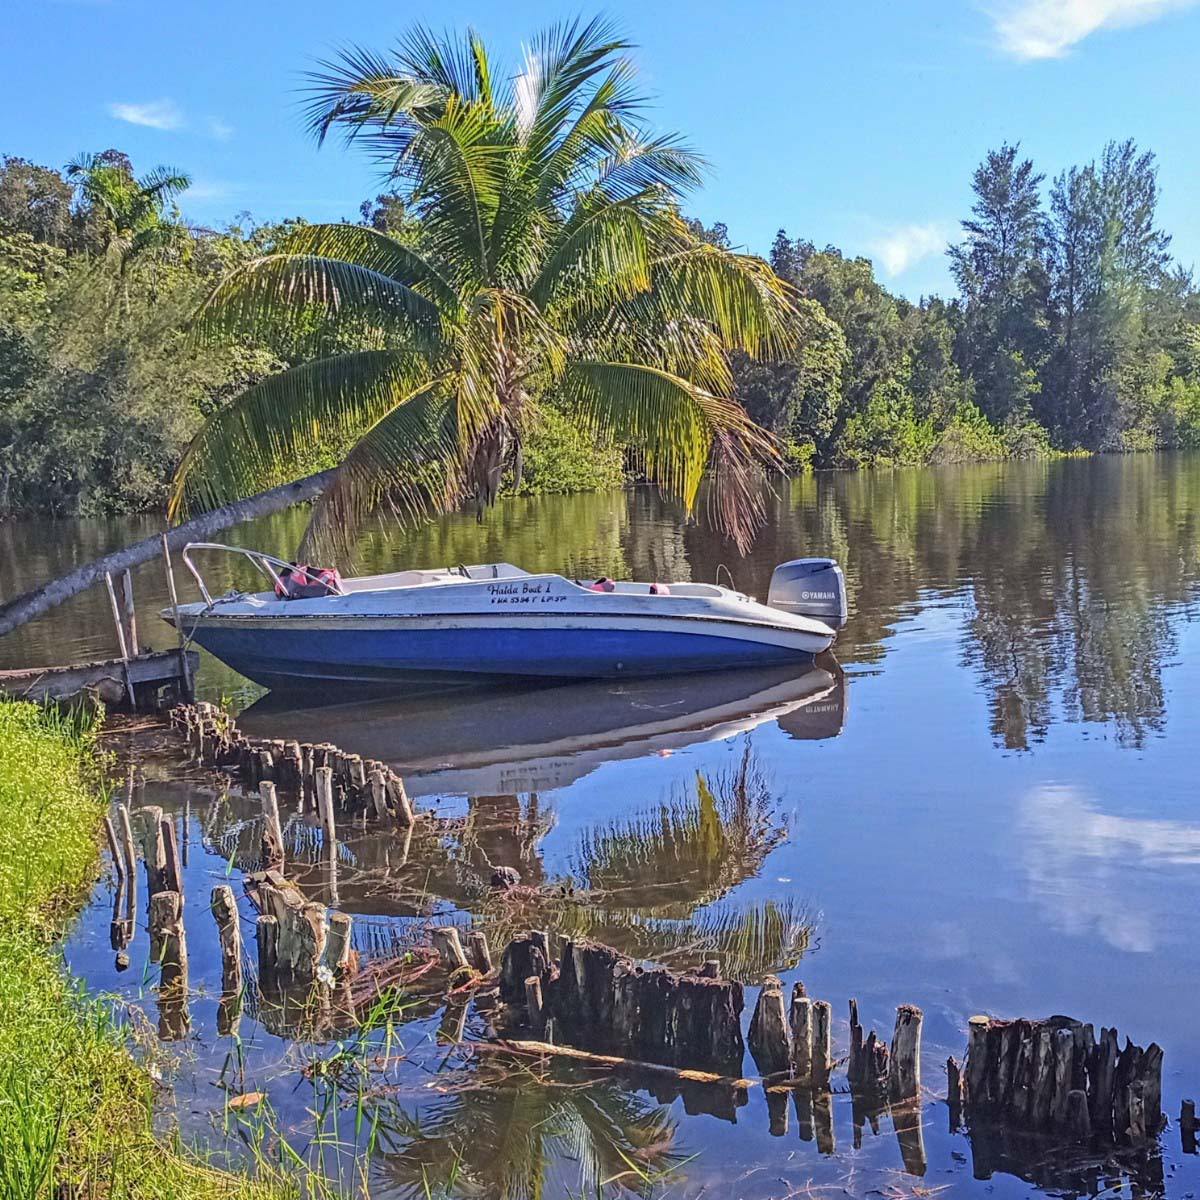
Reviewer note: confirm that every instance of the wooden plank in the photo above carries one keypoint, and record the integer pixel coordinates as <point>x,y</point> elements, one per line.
<point>63,682</point>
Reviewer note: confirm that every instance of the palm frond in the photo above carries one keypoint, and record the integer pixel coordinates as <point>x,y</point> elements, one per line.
<point>281,292</point>
<point>271,432</point>
<point>407,461</point>
<point>655,411</point>
<point>374,251</point>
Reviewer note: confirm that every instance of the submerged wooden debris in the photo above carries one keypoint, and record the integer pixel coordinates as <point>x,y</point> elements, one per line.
<point>323,779</point>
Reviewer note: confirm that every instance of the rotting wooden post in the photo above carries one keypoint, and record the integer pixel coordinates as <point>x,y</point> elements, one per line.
<point>272,835</point>
<point>954,1092</point>
<point>172,868</point>
<point>125,832</point>
<point>224,910</point>
<point>1187,1126</point>
<point>116,613</point>
<point>854,1060</point>
<point>822,1060</point>
<point>266,935</point>
<point>324,783</point>
<point>154,854</point>
<point>114,849</point>
<point>906,1120</point>
<point>185,673</point>
<point>130,614</point>
<point>823,1114</point>
<point>904,1065</point>
<point>533,1004</point>
<point>977,1059</point>
<point>710,969</point>
<point>399,799</point>
<point>167,943</point>
<point>307,783</point>
<point>446,942</point>
<point>338,951</point>
<point>769,1031</point>
<point>800,1018</point>
<point>478,952</point>
<point>379,794</point>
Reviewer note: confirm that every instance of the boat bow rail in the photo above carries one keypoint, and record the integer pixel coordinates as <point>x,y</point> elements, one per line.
<point>266,564</point>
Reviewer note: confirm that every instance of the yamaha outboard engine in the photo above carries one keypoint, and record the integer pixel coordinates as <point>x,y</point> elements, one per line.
<point>813,587</point>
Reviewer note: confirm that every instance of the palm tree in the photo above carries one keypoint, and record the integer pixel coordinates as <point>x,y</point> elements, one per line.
<point>136,208</point>
<point>549,262</point>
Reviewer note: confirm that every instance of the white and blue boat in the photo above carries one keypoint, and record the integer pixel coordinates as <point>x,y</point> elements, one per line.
<point>494,622</point>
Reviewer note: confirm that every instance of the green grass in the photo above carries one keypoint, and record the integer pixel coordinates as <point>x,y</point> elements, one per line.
<point>75,1110</point>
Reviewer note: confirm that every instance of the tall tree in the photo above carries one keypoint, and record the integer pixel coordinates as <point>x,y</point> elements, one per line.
<point>551,261</point>
<point>999,271</point>
<point>1108,261</point>
<point>137,210</point>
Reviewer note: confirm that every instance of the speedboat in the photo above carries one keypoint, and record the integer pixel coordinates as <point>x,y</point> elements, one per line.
<point>494,622</point>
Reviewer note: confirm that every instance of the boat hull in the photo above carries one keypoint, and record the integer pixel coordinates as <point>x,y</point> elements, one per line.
<point>289,653</point>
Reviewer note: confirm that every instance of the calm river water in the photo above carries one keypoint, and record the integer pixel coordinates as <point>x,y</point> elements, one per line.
<point>989,806</point>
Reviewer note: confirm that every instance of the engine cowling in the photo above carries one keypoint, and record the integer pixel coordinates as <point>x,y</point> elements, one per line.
<point>813,587</point>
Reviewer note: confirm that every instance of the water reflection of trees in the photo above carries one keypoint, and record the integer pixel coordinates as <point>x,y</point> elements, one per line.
<point>507,1129</point>
<point>658,883</point>
<point>1069,572</point>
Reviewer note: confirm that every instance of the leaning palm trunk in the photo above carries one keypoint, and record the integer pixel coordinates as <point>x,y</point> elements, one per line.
<point>550,266</point>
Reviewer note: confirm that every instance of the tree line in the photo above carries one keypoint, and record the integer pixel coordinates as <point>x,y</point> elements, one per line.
<point>1073,329</point>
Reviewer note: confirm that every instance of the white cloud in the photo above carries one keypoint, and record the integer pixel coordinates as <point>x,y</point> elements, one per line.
<point>210,189</point>
<point>156,114</point>
<point>903,247</point>
<point>219,129</point>
<point>1049,28</point>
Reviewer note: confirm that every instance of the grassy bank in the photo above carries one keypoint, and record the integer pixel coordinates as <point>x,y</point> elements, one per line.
<point>75,1110</point>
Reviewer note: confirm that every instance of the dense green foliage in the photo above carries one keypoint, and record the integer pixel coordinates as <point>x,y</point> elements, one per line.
<point>75,1115</point>
<point>1072,330</point>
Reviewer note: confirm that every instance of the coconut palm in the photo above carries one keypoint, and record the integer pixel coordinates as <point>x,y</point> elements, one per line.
<point>548,262</point>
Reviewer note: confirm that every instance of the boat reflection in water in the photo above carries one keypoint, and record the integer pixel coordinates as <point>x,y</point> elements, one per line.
<point>543,738</point>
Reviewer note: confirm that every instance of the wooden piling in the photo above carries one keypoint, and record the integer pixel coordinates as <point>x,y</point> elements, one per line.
<point>272,835</point>
<point>154,854</point>
<point>904,1065</point>
<point>267,939</point>
<point>478,952</point>
<point>338,952</point>
<point>172,867</point>
<point>533,1004</point>
<point>954,1092</point>
<point>224,911</point>
<point>1078,1119</point>
<point>401,805</point>
<point>822,1058</point>
<point>379,794</point>
<point>324,788</point>
<point>800,1019</point>
<point>168,946</point>
<point>769,1029</point>
<point>449,947</point>
<point>1187,1126</point>
<point>114,849</point>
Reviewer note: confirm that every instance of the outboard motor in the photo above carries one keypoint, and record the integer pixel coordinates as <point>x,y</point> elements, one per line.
<point>812,587</point>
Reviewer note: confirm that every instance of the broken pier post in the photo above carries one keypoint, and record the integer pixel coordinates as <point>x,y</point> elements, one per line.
<point>769,1030</point>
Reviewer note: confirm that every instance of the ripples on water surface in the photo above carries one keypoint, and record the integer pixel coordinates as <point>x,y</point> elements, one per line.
<point>994,809</point>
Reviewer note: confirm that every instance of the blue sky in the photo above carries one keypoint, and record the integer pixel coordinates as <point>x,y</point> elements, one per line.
<point>855,123</point>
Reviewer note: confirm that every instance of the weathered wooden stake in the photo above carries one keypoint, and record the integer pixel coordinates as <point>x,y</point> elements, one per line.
<point>800,1018</point>
<point>446,942</point>
<point>822,1059</point>
<point>1078,1119</point>
<point>114,848</point>
<point>478,952</point>
<point>130,614</point>
<point>338,952</point>
<point>154,853</point>
<point>1187,1126</point>
<point>399,798</point>
<point>379,794</point>
<point>168,945</point>
<point>224,910</point>
<point>267,937</point>
<point>272,836</point>
<point>533,1004</point>
<point>324,784</point>
<point>172,868</point>
<point>904,1065</point>
<point>954,1092</point>
<point>769,1031</point>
